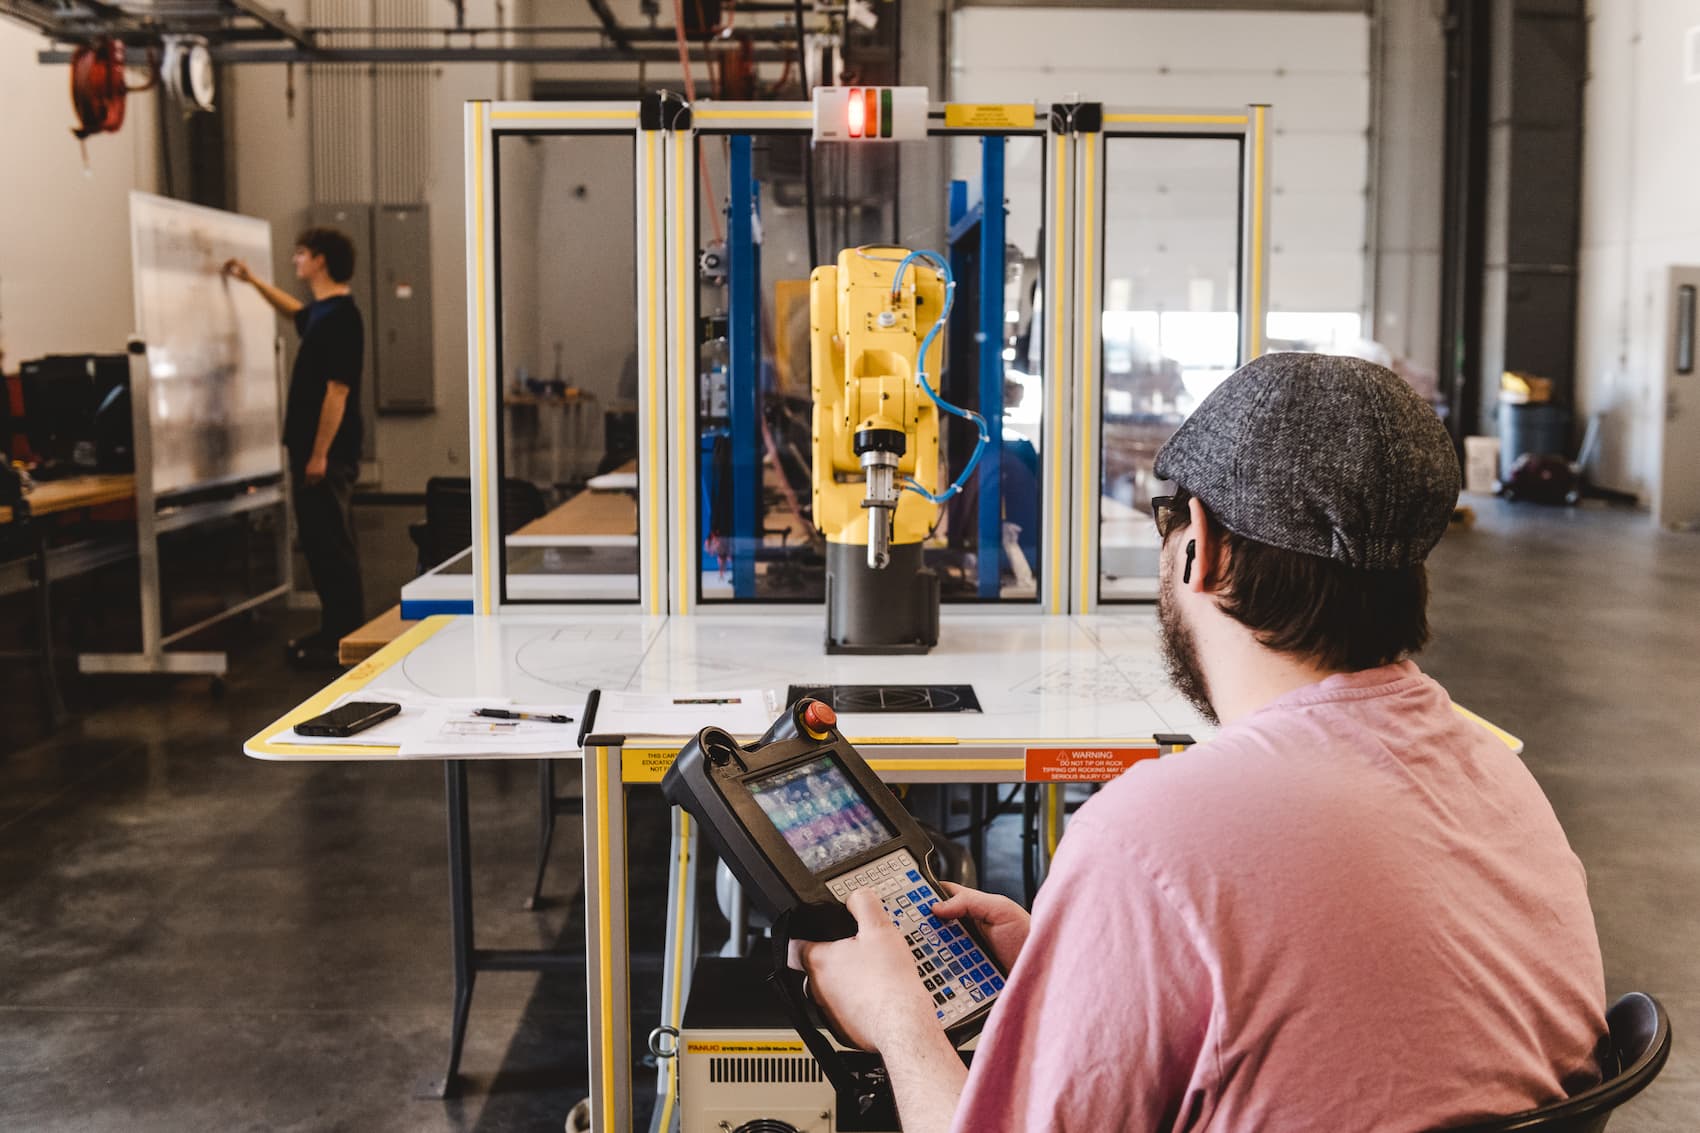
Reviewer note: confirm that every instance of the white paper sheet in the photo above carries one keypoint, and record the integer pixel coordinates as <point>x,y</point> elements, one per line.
<point>442,726</point>
<point>743,712</point>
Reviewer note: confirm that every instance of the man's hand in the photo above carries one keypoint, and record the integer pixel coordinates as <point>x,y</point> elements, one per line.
<point>867,984</point>
<point>316,468</point>
<point>237,269</point>
<point>1002,922</point>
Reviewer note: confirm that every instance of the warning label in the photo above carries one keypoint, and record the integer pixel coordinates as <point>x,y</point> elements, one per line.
<point>1083,764</point>
<point>988,116</point>
<point>643,766</point>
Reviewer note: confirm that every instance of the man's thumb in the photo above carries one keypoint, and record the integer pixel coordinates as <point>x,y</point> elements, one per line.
<point>867,908</point>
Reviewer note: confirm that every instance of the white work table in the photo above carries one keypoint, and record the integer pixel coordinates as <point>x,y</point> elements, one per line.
<point>1049,686</point>
<point>1039,680</point>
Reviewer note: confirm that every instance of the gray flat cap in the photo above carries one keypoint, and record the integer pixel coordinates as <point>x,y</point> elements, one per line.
<point>1328,456</point>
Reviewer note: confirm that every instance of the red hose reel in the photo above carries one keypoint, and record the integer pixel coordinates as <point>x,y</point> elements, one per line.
<point>97,87</point>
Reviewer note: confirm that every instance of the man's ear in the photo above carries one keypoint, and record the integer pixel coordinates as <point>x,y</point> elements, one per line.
<point>1205,544</point>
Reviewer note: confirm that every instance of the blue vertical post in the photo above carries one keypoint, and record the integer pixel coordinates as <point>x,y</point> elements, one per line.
<point>958,214</point>
<point>743,308</point>
<point>990,337</point>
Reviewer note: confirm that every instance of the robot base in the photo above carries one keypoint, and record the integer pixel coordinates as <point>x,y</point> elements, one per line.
<point>890,611</point>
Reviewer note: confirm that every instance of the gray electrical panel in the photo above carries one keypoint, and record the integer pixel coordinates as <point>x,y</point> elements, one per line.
<point>401,301</point>
<point>356,221</point>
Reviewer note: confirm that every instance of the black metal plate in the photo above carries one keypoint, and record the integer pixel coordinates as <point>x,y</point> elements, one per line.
<point>913,699</point>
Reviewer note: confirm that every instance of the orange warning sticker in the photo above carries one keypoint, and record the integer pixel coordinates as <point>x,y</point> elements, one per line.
<point>1083,764</point>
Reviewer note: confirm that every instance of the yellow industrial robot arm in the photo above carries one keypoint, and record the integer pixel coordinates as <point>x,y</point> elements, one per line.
<point>875,321</point>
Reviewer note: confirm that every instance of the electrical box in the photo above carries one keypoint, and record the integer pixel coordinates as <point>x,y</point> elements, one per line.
<point>870,114</point>
<point>401,309</point>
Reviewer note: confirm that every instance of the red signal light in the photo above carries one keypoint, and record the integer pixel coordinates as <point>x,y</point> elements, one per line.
<point>857,111</point>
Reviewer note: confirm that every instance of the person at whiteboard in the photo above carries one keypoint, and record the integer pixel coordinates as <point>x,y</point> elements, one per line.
<point>322,429</point>
<point>1351,908</point>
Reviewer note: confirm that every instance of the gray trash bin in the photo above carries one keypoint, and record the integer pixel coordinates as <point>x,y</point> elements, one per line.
<point>1539,428</point>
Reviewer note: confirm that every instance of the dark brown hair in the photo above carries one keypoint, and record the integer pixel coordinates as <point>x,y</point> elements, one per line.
<point>1339,617</point>
<point>332,244</point>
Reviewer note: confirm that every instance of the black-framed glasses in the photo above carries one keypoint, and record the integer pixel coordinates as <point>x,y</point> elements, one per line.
<point>1170,511</point>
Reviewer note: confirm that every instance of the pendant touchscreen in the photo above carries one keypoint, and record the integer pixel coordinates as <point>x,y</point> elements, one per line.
<point>802,822</point>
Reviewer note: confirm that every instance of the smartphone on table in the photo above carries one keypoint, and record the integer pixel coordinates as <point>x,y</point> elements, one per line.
<point>347,719</point>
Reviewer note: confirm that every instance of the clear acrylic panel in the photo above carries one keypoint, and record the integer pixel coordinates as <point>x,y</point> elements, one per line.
<point>569,366</point>
<point>1171,325</point>
<point>756,536</point>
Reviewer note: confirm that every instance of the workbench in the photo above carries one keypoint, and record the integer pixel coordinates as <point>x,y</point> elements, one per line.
<point>1049,687</point>
<point>46,564</point>
<point>75,493</point>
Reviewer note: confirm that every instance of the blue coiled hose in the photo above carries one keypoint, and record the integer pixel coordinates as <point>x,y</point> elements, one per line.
<point>943,267</point>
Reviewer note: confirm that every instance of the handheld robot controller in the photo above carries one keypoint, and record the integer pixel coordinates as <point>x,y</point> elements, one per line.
<point>802,822</point>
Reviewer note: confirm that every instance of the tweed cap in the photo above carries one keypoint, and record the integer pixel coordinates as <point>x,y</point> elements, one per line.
<point>1325,455</point>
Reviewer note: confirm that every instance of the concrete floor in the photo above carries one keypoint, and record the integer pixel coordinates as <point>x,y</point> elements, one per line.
<point>192,940</point>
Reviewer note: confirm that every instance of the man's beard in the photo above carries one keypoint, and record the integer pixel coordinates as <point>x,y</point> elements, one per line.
<point>1180,651</point>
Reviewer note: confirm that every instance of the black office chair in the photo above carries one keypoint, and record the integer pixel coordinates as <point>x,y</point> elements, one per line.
<point>1640,1044</point>
<point>447,529</point>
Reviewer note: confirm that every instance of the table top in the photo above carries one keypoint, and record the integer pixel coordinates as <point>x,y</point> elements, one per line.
<point>76,492</point>
<point>588,513</point>
<point>373,636</point>
<point>1039,679</point>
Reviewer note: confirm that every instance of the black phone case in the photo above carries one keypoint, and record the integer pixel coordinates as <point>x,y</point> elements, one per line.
<point>315,728</point>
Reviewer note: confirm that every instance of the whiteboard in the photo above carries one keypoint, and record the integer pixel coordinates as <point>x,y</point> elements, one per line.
<point>211,397</point>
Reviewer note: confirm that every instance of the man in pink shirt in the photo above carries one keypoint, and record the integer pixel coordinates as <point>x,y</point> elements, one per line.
<point>1352,909</point>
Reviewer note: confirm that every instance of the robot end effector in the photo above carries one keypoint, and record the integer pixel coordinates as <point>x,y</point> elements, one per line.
<point>880,451</point>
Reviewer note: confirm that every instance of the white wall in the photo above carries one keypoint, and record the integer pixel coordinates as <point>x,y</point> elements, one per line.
<point>1313,68</point>
<point>1640,167</point>
<point>269,148</point>
<point>64,233</point>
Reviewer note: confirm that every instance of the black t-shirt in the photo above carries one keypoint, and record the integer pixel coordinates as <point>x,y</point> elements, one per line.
<point>333,344</point>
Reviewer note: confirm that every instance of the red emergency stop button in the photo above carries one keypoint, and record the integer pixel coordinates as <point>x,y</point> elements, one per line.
<point>818,718</point>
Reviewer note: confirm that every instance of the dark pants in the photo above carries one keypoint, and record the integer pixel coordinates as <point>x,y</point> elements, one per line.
<point>324,522</point>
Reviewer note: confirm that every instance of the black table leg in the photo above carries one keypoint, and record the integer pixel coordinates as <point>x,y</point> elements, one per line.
<point>44,613</point>
<point>977,823</point>
<point>460,917</point>
<point>545,826</point>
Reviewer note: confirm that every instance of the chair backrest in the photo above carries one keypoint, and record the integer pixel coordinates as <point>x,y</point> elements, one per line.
<point>1640,1044</point>
<point>448,513</point>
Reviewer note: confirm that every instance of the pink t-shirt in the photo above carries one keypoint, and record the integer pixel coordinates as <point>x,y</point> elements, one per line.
<point>1351,910</point>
